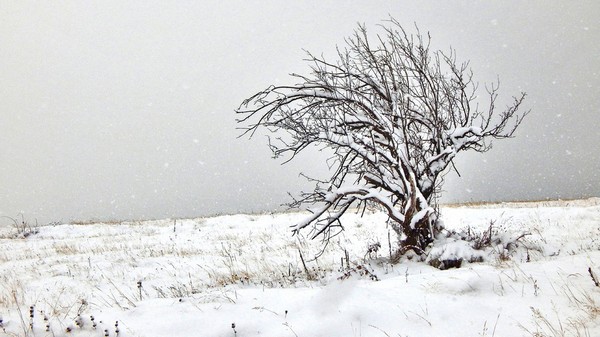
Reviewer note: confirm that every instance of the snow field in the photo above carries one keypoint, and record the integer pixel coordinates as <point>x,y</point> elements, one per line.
<point>198,277</point>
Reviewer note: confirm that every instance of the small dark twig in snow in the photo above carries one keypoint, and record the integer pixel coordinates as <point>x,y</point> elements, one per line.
<point>594,277</point>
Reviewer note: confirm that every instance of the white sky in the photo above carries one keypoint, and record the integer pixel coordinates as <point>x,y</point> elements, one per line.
<point>124,110</point>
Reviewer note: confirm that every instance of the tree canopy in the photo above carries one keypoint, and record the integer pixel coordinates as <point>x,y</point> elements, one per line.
<point>394,114</point>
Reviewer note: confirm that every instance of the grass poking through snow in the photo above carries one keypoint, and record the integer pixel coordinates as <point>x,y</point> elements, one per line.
<point>195,277</point>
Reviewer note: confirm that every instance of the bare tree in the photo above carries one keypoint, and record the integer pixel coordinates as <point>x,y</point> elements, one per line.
<point>394,115</point>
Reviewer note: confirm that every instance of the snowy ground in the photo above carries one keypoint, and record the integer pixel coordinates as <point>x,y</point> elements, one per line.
<point>198,277</point>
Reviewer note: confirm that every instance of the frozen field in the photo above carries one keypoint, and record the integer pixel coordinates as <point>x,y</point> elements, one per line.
<point>243,275</point>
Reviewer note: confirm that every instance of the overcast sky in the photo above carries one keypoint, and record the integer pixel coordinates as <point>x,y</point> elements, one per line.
<point>125,110</point>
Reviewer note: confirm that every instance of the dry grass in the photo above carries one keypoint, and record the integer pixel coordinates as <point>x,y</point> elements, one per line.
<point>592,201</point>
<point>584,310</point>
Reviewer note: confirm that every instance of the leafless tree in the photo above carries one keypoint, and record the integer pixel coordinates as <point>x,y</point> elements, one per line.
<point>394,115</point>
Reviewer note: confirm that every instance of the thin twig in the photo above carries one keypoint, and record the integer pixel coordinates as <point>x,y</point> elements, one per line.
<point>304,264</point>
<point>25,331</point>
<point>594,277</point>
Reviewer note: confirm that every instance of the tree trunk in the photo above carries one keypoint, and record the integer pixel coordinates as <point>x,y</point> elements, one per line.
<point>417,238</point>
<point>416,235</point>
